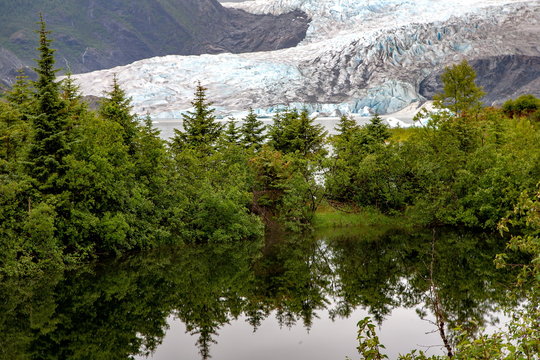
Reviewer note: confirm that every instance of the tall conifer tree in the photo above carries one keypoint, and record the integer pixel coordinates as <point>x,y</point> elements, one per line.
<point>117,107</point>
<point>200,127</point>
<point>346,126</point>
<point>231,133</point>
<point>14,119</point>
<point>49,146</point>
<point>252,131</point>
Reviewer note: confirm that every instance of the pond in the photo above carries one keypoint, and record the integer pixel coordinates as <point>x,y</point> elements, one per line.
<point>284,297</point>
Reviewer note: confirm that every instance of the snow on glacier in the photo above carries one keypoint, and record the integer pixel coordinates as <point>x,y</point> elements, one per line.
<point>382,49</point>
<point>330,17</point>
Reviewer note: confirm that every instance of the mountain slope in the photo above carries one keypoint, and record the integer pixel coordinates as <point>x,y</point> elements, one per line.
<point>502,77</point>
<point>370,63</point>
<point>97,34</point>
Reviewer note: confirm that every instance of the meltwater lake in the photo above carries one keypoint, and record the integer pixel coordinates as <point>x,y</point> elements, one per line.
<point>167,126</point>
<point>282,297</point>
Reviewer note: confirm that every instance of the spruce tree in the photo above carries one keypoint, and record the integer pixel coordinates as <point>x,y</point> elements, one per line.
<point>49,145</point>
<point>252,131</point>
<point>14,119</point>
<point>76,108</point>
<point>346,126</point>
<point>231,134</point>
<point>116,107</point>
<point>201,130</point>
<point>294,132</point>
<point>21,93</point>
<point>311,136</point>
<point>377,130</point>
<point>70,91</point>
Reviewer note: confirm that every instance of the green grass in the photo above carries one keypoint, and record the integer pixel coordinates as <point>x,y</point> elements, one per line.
<point>328,217</point>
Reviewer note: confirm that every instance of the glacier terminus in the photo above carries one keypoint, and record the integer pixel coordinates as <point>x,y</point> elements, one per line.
<point>357,55</point>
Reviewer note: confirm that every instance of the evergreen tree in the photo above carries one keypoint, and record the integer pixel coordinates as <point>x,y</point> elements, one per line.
<point>377,130</point>
<point>14,119</point>
<point>49,145</point>
<point>201,130</point>
<point>231,134</point>
<point>117,107</point>
<point>294,132</point>
<point>460,92</point>
<point>21,94</point>
<point>70,90</point>
<point>252,131</point>
<point>346,126</point>
<point>76,108</point>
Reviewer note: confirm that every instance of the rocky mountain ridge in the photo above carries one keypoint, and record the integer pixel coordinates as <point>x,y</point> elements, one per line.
<point>99,34</point>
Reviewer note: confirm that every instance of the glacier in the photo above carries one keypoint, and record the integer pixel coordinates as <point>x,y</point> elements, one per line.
<point>358,55</point>
<point>333,17</point>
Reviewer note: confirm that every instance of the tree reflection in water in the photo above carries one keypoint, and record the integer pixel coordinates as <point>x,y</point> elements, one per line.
<point>117,309</point>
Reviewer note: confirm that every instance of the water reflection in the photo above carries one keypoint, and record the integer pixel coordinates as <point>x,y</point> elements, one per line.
<point>118,309</point>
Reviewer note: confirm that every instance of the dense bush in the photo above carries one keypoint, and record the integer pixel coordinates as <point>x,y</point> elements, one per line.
<point>467,169</point>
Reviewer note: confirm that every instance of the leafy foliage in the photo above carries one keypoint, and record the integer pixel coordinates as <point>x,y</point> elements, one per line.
<point>463,169</point>
<point>525,105</point>
<point>78,184</point>
<point>460,93</point>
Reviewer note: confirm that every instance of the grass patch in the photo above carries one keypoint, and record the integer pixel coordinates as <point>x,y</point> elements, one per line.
<point>332,217</point>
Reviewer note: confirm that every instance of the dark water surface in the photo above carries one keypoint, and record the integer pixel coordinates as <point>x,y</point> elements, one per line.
<point>281,298</point>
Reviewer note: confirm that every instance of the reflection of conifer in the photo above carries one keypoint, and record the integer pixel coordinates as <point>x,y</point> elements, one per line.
<point>255,317</point>
<point>205,340</point>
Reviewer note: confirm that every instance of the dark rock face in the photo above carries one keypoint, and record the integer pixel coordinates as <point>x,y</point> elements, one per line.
<point>502,77</point>
<point>98,34</point>
<point>9,63</point>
